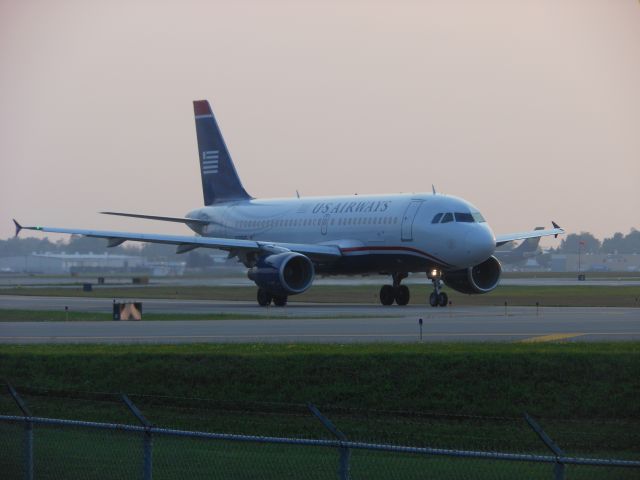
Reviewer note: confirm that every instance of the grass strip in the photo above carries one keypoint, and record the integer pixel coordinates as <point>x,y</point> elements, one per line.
<point>565,380</point>
<point>14,315</point>
<point>563,296</point>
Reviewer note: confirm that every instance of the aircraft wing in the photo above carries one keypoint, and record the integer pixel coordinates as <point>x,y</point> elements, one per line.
<point>509,237</point>
<point>186,243</point>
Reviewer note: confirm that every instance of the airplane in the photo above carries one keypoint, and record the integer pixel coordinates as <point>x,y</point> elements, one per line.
<point>285,242</point>
<point>520,254</point>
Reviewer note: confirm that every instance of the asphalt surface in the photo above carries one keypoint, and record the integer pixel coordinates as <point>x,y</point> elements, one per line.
<point>322,323</point>
<point>241,280</point>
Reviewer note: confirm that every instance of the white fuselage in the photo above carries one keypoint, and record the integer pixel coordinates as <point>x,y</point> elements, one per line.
<point>377,233</point>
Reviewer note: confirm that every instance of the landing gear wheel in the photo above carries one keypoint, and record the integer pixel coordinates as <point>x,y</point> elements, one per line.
<point>433,299</point>
<point>264,298</point>
<point>443,299</point>
<point>279,301</point>
<point>387,295</point>
<point>402,295</point>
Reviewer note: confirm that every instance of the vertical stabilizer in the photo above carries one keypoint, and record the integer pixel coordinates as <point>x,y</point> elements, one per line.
<point>220,181</point>
<point>529,246</point>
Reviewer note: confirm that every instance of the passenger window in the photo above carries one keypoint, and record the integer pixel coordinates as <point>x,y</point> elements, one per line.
<point>448,217</point>
<point>437,218</point>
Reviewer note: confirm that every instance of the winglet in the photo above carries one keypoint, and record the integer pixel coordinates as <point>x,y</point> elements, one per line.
<point>18,226</point>
<point>555,225</point>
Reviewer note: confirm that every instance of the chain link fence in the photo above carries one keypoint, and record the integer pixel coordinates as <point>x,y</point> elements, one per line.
<point>475,447</point>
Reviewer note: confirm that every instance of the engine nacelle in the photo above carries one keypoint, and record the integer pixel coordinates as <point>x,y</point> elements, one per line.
<point>285,273</point>
<point>481,278</point>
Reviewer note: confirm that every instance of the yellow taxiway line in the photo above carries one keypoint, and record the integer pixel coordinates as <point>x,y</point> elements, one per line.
<point>550,338</point>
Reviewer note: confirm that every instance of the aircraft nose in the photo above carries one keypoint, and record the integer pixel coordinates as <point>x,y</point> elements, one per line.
<point>480,244</point>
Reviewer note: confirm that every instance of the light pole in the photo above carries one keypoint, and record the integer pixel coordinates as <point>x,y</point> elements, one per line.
<point>580,244</point>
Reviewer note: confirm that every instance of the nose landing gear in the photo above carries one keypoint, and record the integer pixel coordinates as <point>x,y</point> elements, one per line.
<point>437,297</point>
<point>396,292</point>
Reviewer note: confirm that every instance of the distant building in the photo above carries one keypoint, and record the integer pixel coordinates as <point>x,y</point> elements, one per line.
<point>64,263</point>
<point>595,262</point>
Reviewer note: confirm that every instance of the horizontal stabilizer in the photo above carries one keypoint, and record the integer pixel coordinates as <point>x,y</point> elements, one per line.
<point>193,221</point>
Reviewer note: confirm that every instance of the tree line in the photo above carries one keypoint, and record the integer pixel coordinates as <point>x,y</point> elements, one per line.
<point>585,242</point>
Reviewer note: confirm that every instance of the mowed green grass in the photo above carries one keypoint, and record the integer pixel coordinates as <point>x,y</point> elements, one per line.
<point>569,296</point>
<point>585,396</point>
<point>89,455</point>
<point>11,315</point>
<point>563,380</point>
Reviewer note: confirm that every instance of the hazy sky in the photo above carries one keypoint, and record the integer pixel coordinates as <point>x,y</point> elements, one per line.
<point>528,109</point>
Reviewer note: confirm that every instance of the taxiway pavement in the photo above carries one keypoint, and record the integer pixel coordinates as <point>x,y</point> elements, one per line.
<point>323,323</point>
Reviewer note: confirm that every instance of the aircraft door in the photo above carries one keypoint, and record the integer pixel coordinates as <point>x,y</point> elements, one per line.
<point>407,220</point>
<point>323,225</point>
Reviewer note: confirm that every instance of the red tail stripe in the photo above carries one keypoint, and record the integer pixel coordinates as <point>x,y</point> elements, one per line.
<point>201,107</point>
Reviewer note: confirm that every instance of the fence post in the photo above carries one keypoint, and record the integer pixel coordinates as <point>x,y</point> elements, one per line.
<point>345,453</point>
<point>28,433</point>
<point>147,453</point>
<point>558,468</point>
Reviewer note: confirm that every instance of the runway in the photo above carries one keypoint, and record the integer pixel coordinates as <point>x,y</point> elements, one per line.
<point>322,323</point>
<point>240,280</point>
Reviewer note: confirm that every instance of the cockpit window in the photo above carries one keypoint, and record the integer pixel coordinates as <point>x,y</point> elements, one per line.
<point>477,216</point>
<point>448,217</point>
<point>437,218</point>
<point>464,217</point>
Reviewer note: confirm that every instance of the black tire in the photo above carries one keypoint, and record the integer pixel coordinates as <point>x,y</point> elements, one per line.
<point>387,295</point>
<point>279,301</point>
<point>433,299</point>
<point>264,298</point>
<point>402,295</point>
<point>443,299</point>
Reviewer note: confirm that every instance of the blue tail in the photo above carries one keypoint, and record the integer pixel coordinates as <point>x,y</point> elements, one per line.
<point>529,246</point>
<point>220,181</point>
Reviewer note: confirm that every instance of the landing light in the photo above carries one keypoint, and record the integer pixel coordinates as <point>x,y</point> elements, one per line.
<point>434,273</point>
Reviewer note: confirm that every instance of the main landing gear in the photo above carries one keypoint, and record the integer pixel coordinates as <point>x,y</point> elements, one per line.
<point>437,297</point>
<point>265,298</point>
<point>396,292</point>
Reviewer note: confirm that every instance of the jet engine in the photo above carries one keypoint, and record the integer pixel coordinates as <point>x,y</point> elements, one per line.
<point>481,278</point>
<point>285,273</point>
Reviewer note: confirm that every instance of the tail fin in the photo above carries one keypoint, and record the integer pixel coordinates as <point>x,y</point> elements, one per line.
<point>220,181</point>
<point>529,246</point>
